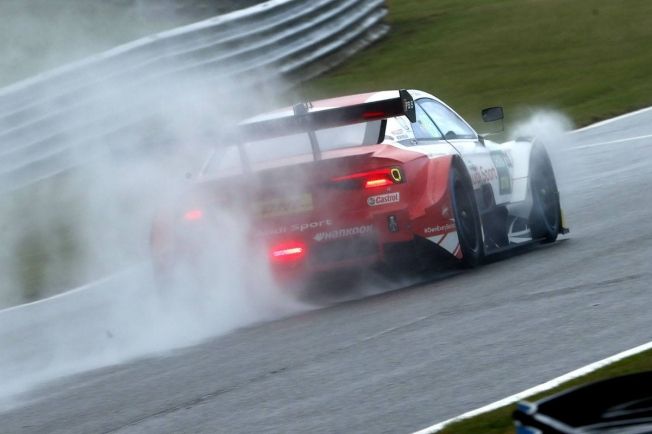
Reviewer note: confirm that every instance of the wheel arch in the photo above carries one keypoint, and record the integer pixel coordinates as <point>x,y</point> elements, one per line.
<point>519,152</point>
<point>474,258</point>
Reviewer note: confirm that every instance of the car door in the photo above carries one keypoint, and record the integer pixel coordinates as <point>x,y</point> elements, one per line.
<point>486,167</point>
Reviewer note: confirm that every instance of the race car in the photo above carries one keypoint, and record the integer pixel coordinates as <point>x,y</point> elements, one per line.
<point>375,179</point>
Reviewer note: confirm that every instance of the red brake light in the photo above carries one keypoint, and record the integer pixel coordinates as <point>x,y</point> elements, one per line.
<point>377,182</point>
<point>373,115</point>
<point>193,214</point>
<point>288,252</point>
<point>371,179</point>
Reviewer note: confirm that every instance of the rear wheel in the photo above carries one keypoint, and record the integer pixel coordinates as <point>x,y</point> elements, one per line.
<point>545,217</point>
<point>467,217</point>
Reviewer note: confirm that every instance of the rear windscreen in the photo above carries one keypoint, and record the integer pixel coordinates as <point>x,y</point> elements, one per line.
<point>295,147</point>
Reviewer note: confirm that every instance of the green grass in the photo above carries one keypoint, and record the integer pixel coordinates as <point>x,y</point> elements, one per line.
<point>500,421</point>
<point>588,59</point>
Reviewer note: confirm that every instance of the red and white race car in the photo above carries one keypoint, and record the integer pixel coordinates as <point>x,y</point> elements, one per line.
<point>371,179</point>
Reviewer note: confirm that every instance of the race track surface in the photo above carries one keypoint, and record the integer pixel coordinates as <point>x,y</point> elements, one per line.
<point>403,360</point>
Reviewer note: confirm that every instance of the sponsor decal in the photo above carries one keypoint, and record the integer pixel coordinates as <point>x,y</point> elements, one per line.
<point>408,105</point>
<point>300,227</point>
<point>405,124</point>
<point>383,199</point>
<point>343,233</point>
<point>396,135</point>
<point>273,231</point>
<point>297,227</point>
<point>440,228</point>
<point>503,163</point>
<point>279,206</point>
<point>392,224</point>
<point>481,175</point>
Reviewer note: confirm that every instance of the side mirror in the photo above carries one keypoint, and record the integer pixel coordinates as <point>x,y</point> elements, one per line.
<point>492,114</point>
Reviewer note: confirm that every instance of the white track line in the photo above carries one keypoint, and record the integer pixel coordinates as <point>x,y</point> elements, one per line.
<point>56,296</point>
<point>71,292</point>
<point>611,142</point>
<point>617,118</point>
<point>540,388</point>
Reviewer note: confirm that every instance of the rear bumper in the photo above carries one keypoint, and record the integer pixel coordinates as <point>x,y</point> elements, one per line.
<point>346,243</point>
<point>329,242</point>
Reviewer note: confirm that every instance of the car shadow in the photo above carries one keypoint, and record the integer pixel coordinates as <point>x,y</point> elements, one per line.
<point>356,285</point>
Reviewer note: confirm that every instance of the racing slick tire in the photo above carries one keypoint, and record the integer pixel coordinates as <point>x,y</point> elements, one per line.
<point>545,217</point>
<point>467,217</point>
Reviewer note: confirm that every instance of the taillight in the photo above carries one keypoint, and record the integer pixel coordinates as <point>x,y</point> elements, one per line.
<point>371,179</point>
<point>377,181</point>
<point>193,214</point>
<point>288,252</point>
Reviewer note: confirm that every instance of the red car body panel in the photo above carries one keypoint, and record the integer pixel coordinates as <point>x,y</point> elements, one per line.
<point>346,208</point>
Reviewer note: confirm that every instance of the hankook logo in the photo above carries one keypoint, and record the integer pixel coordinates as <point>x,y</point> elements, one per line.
<point>342,233</point>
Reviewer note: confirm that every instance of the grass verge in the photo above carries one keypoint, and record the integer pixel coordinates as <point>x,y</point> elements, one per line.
<point>500,421</point>
<point>589,60</point>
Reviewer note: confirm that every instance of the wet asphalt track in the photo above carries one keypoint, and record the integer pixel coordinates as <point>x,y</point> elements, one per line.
<point>404,360</point>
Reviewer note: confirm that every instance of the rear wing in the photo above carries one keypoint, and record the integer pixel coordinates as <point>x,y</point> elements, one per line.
<point>304,118</point>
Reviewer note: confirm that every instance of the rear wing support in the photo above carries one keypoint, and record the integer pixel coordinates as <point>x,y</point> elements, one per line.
<point>301,111</point>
